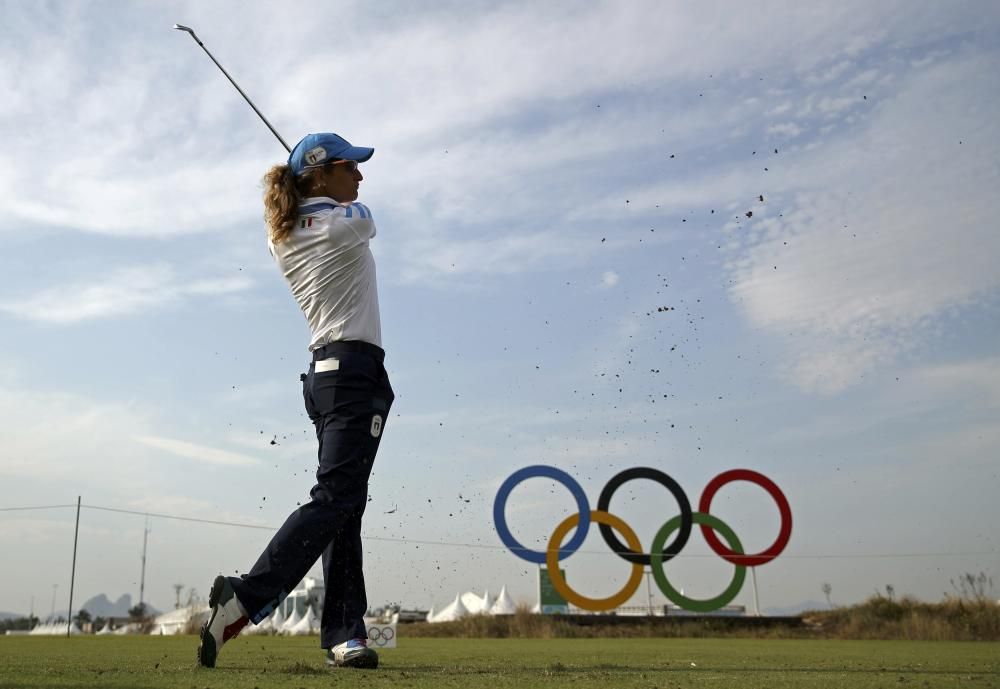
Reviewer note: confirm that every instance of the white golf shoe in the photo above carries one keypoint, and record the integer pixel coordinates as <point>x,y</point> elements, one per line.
<point>226,622</point>
<point>352,653</point>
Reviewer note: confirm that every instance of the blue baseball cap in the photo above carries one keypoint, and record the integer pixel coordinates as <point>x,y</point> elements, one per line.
<point>316,150</point>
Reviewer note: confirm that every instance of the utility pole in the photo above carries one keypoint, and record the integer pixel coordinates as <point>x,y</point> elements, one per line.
<point>142,579</point>
<point>649,593</point>
<point>756,602</point>
<point>72,576</point>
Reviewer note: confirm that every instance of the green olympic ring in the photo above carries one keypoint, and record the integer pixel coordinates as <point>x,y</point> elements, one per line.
<point>675,596</point>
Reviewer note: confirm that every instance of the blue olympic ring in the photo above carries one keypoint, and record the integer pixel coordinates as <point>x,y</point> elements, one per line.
<point>500,519</point>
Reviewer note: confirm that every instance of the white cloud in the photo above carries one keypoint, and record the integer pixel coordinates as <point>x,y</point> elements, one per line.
<point>164,146</point>
<point>609,279</point>
<point>863,262</point>
<point>515,253</point>
<point>831,371</point>
<point>831,73</point>
<point>976,381</point>
<point>865,78</point>
<point>123,292</point>
<point>972,446</point>
<point>83,445</point>
<point>202,453</point>
<point>786,130</point>
<point>835,106</point>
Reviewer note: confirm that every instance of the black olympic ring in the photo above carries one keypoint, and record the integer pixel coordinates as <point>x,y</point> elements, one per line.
<point>604,502</point>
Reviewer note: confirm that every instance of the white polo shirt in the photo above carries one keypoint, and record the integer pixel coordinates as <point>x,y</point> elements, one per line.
<point>330,268</point>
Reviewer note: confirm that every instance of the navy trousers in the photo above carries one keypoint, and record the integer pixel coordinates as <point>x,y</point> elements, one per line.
<point>348,400</point>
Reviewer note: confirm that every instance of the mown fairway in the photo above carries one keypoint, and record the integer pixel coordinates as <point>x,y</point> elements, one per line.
<point>265,662</point>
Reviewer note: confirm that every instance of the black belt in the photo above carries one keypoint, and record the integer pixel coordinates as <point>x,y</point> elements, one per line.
<point>332,349</point>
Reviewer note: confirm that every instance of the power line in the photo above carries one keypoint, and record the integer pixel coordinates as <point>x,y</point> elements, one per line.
<point>483,546</point>
<point>182,519</point>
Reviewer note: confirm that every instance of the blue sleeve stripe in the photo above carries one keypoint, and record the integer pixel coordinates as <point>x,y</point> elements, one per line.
<point>362,209</point>
<point>316,208</point>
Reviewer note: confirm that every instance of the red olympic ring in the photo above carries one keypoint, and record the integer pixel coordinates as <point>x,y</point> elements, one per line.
<point>784,534</point>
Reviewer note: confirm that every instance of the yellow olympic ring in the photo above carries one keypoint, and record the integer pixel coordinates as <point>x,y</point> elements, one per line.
<point>556,577</point>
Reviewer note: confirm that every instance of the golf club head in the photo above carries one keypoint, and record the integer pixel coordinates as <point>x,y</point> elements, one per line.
<point>188,29</point>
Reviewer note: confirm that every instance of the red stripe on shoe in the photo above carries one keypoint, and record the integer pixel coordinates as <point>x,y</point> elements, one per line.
<point>234,629</point>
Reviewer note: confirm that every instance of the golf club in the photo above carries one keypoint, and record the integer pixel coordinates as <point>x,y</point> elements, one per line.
<point>198,41</point>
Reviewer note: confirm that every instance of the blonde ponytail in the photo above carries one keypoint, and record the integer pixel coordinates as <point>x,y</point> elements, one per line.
<point>281,202</point>
<point>282,193</point>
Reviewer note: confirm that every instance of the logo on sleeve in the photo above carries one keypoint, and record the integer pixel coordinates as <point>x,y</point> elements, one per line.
<point>376,426</point>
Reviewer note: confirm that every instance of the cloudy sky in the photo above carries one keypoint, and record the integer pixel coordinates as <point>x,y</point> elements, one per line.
<point>695,238</point>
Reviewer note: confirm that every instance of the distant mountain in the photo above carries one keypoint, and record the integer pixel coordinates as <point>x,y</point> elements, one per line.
<point>11,615</point>
<point>796,608</point>
<point>100,606</point>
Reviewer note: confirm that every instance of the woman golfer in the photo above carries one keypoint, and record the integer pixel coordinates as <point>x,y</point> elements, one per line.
<point>319,235</point>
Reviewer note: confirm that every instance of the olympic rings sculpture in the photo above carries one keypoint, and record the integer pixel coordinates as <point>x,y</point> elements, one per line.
<point>631,551</point>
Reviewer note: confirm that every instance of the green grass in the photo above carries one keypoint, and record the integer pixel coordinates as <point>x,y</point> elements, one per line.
<point>297,663</point>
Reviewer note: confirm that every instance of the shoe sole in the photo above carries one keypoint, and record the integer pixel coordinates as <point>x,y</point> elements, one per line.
<point>207,652</point>
<point>366,661</point>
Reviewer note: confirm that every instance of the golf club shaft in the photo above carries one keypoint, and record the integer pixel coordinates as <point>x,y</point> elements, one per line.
<point>233,82</point>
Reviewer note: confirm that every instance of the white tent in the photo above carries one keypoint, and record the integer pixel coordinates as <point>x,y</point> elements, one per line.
<point>488,602</point>
<point>165,630</point>
<point>469,603</point>
<point>287,625</point>
<point>277,619</point>
<point>42,629</point>
<point>177,621</point>
<point>54,629</point>
<point>476,605</point>
<point>309,624</point>
<point>504,604</point>
<point>472,603</point>
<point>106,629</point>
<point>455,610</point>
